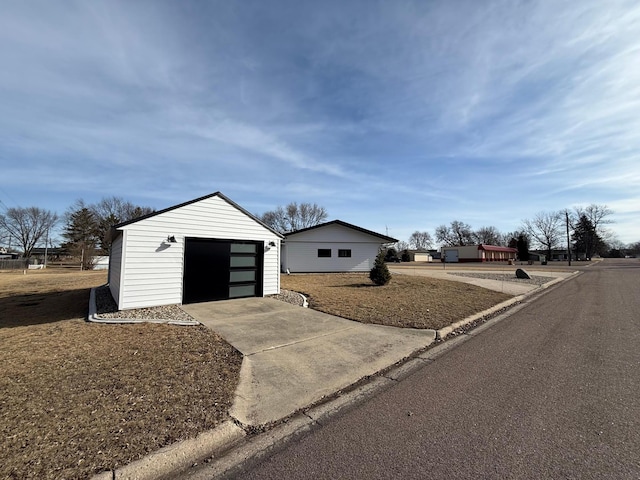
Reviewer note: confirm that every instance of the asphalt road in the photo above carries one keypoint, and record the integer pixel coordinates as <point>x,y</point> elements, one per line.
<point>551,392</point>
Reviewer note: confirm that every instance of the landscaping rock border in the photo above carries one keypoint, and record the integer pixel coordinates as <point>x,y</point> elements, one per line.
<point>103,309</point>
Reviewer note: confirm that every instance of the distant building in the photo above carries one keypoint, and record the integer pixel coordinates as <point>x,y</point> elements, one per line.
<point>478,253</point>
<point>420,256</point>
<point>334,246</point>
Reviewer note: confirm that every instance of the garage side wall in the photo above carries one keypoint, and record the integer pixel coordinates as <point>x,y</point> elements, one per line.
<point>153,271</point>
<point>115,268</point>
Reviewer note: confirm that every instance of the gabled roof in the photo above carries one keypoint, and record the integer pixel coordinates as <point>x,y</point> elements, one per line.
<point>487,248</point>
<point>385,238</point>
<point>495,248</point>
<point>216,194</point>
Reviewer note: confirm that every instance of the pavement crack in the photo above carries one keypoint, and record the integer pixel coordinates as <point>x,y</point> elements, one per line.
<point>288,344</point>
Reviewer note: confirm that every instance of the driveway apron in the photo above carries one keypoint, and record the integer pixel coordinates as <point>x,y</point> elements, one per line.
<point>294,356</point>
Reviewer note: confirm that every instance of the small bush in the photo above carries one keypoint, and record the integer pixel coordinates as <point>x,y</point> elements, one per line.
<point>380,274</point>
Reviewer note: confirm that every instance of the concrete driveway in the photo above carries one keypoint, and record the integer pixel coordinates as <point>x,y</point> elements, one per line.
<point>295,356</point>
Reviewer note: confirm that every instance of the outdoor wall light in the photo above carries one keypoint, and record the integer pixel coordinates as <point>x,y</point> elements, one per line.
<point>171,239</point>
<point>272,244</point>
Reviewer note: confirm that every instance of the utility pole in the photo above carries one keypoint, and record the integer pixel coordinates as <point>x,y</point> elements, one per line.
<point>46,246</point>
<point>566,213</point>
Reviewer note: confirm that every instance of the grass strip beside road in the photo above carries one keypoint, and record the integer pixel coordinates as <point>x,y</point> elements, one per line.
<point>406,301</point>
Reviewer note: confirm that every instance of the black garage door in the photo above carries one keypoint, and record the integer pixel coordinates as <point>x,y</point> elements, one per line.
<point>221,269</point>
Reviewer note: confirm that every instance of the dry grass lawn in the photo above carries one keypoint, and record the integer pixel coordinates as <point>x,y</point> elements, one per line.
<point>407,301</point>
<point>78,398</point>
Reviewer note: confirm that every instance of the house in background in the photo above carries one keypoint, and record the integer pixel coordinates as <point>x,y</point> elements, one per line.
<point>206,249</point>
<point>334,246</point>
<point>478,253</point>
<point>420,256</point>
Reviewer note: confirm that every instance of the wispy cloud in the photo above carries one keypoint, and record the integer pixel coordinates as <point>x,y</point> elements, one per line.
<point>408,113</point>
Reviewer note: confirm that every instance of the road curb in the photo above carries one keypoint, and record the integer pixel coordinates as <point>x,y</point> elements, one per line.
<point>443,332</point>
<point>229,442</point>
<point>178,456</point>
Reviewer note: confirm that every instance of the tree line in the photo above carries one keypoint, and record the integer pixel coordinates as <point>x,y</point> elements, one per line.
<point>86,227</point>
<point>583,229</point>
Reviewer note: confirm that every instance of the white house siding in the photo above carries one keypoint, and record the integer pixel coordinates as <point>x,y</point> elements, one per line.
<point>153,271</point>
<point>300,252</point>
<point>303,257</point>
<point>115,271</point>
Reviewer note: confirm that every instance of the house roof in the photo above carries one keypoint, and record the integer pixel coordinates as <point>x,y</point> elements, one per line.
<point>216,194</point>
<point>487,248</point>
<point>385,238</point>
<point>495,248</point>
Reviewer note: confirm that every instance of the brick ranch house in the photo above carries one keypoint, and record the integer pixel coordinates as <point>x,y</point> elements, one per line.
<point>478,253</point>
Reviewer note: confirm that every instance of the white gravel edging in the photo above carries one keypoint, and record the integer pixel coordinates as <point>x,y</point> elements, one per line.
<point>305,303</point>
<point>95,318</point>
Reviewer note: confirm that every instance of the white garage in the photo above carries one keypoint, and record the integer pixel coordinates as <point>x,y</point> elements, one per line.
<point>334,246</point>
<point>206,249</point>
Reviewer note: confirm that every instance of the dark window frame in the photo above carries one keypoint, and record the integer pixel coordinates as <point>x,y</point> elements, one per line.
<point>324,253</point>
<point>344,253</point>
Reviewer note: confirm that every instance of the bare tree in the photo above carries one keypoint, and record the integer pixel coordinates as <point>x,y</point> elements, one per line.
<point>488,236</point>
<point>110,211</point>
<point>545,229</point>
<point>294,217</point>
<point>510,239</point>
<point>118,208</point>
<point>457,234</point>
<point>420,240</point>
<point>597,215</point>
<point>276,219</point>
<point>402,245</point>
<point>28,225</point>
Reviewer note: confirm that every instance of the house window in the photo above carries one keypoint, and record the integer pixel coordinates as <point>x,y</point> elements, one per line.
<point>324,253</point>
<point>344,253</point>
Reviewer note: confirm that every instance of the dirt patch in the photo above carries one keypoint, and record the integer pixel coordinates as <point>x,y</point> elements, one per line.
<point>77,398</point>
<point>407,301</point>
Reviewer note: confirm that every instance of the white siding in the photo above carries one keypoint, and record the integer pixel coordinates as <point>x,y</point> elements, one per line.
<point>303,257</point>
<point>271,280</point>
<point>300,253</point>
<point>115,268</point>
<point>153,271</point>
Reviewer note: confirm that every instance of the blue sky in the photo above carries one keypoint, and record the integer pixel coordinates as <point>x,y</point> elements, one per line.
<point>394,115</point>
